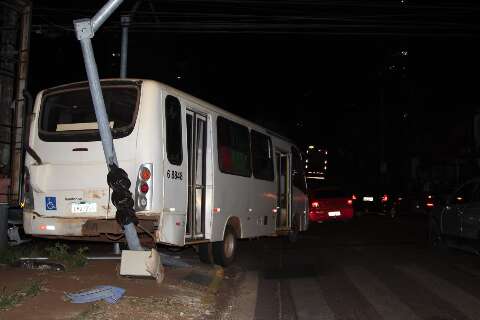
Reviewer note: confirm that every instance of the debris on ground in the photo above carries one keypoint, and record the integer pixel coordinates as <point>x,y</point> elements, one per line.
<point>187,293</point>
<point>34,264</point>
<point>108,294</point>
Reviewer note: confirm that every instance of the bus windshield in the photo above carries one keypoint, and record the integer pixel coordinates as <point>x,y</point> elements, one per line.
<point>67,114</point>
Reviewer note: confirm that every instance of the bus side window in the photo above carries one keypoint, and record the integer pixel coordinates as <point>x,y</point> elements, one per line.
<point>173,129</point>
<point>233,142</point>
<point>226,158</point>
<point>262,159</point>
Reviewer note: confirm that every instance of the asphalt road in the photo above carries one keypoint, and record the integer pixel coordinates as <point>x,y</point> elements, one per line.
<point>371,268</point>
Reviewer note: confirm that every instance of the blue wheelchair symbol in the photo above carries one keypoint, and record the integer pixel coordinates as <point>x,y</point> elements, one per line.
<point>51,203</point>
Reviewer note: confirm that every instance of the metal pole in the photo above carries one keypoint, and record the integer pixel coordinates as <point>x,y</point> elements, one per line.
<point>116,248</point>
<point>104,14</point>
<point>125,22</point>
<point>85,30</point>
<point>98,102</point>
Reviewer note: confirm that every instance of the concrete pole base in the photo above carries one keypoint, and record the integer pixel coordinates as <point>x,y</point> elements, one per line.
<point>116,248</point>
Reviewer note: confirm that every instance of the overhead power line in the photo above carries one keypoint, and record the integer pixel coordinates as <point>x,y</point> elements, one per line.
<point>287,16</point>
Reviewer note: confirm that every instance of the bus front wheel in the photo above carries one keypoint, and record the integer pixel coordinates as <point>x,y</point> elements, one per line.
<point>224,251</point>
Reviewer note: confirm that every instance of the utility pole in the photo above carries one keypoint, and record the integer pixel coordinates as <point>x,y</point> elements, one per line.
<point>125,23</point>
<point>17,132</point>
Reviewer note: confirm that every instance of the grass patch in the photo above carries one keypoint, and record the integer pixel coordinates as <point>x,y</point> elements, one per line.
<point>61,252</point>
<point>58,252</point>
<point>9,300</point>
<point>11,255</point>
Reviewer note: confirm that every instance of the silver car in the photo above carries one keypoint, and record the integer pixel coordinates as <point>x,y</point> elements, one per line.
<point>457,222</point>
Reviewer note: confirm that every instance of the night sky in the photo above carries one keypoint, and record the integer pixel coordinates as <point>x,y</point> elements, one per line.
<point>372,81</point>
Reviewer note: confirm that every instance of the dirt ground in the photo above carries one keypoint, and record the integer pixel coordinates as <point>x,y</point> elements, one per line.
<point>186,293</point>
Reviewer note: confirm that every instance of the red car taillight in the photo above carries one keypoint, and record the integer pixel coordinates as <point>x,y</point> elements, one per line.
<point>429,202</point>
<point>315,204</point>
<point>385,198</point>
<point>349,201</point>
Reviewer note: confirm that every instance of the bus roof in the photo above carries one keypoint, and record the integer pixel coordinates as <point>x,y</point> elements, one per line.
<point>179,93</point>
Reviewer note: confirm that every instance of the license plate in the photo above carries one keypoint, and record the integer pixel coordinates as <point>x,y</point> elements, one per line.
<point>84,207</point>
<point>367,198</point>
<point>334,213</point>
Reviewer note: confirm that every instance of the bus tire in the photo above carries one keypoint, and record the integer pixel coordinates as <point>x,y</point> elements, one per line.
<point>224,251</point>
<point>205,252</point>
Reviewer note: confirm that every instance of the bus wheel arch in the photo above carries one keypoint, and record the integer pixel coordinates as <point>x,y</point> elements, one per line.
<point>224,251</point>
<point>234,222</point>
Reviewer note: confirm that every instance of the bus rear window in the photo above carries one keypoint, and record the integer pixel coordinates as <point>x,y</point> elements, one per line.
<point>69,115</point>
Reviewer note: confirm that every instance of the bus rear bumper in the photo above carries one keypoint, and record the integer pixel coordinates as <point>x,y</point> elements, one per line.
<point>80,228</point>
<point>37,225</point>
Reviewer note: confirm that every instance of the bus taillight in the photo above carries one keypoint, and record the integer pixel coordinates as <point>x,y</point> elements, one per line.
<point>144,188</point>
<point>145,174</point>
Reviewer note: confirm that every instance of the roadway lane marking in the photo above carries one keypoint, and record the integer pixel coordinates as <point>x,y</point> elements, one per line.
<point>309,301</point>
<point>380,297</point>
<point>462,300</point>
<point>338,289</point>
<point>245,300</point>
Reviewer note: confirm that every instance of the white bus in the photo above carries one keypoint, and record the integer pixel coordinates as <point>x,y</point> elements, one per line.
<point>200,175</point>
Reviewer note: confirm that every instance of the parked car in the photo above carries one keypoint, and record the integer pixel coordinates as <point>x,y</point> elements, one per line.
<point>416,204</point>
<point>457,220</point>
<point>329,204</point>
<point>377,201</point>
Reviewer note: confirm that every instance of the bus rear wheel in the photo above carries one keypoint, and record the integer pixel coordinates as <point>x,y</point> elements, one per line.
<point>224,251</point>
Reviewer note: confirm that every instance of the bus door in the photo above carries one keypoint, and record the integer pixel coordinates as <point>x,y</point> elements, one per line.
<point>283,190</point>
<point>197,174</point>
